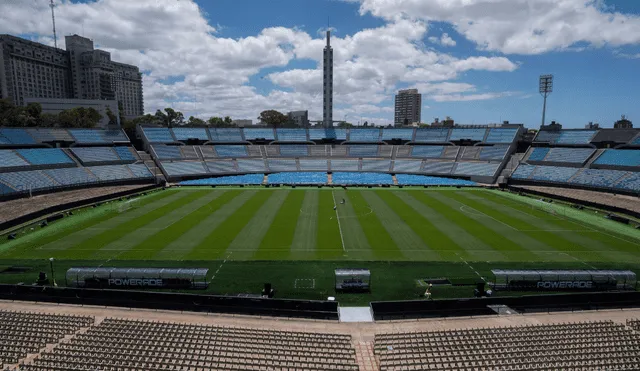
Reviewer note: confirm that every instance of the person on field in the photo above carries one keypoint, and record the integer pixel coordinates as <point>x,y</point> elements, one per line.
<point>427,294</point>
<point>334,207</point>
<point>343,202</point>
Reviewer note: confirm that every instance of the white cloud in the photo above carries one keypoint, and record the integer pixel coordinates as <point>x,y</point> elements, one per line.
<point>469,97</point>
<point>444,40</point>
<point>215,70</point>
<point>519,26</point>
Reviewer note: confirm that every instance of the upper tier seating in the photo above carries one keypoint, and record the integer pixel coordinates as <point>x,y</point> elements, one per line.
<point>407,166</point>
<point>291,135</point>
<point>111,172</point>
<point>320,134</point>
<point>190,133</point>
<point>45,156</point>
<point>495,153</point>
<point>15,136</point>
<point>314,165</point>
<point>569,155</point>
<point>293,150</point>
<point>547,136</point>
<point>427,151</point>
<point>364,135</point>
<point>477,169</point>
<point>5,190</point>
<point>501,135</point>
<point>226,134</point>
<point>554,173</point>
<point>538,154</point>
<point>89,155</point>
<point>471,134</point>
<point>339,134</point>
<point>363,150</point>
<point>42,135</point>
<point>140,170</point>
<point>376,165</point>
<point>598,177</point>
<point>256,133</point>
<point>8,158</point>
<point>575,136</point>
<point>410,179</point>
<point>91,136</point>
<point>432,135</point>
<point>167,152</point>
<point>158,135</point>
<point>436,167</point>
<point>246,179</point>
<point>344,165</point>
<point>27,180</point>
<point>71,176</point>
<point>470,153</point>
<point>251,166</point>
<point>523,171</point>
<point>231,151</point>
<point>615,135</point>
<point>184,168</point>
<point>189,152</point>
<point>298,178</point>
<point>221,166</point>
<point>619,157</point>
<point>126,154</point>
<point>282,165</point>
<point>362,178</point>
<point>404,134</point>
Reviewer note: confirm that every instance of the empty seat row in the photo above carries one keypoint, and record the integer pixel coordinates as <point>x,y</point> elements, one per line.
<point>619,157</point>
<point>594,178</point>
<point>423,180</point>
<point>348,178</point>
<point>570,137</point>
<point>298,178</point>
<point>246,179</point>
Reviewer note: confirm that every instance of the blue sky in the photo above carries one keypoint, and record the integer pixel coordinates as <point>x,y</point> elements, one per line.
<point>477,62</point>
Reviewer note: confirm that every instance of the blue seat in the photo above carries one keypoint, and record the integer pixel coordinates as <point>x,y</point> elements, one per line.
<point>246,179</point>
<point>111,136</point>
<point>423,180</point>
<point>362,178</point>
<point>221,166</point>
<point>6,190</point>
<point>471,134</point>
<point>547,136</point>
<point>569,155</point>
<point>9,158</point>
<point>24,181</point>
<point>636,141</point>
<point>597,177</point>
<point>125,154</point>
<point>107,173</point>
<point>404,134</point>
<point>45,156</point>
<point>363,150</point>
<point>88,136</point>
<point>95,154</point>
<point>294,150</point>
<point>523,171</point>
<point>364,135</point>
<point>190,133</point>
<point>619,157</point>
<point>182,168</point>
<point>376,165</point>
<point>231,151</point>
<point>164,152</point>
<point>158,135</point>
<point>494,153</point>
<point>630,182</point>
<point>140,170</point>
<point>339,134</point>
<point>50,135</point>
<point>437,167</point>
<point>538,154</point>
<point>16,136</point>
<point>554,173</point>
<point>501,135</point>
<point>226,134</point>
<point>314,165</point>
<point>298,178</point>
<point>292,135</point>
<point>427,151</point>
<point>434,135</point>
<point>71,176</point>
<point>575,136</point>
<point>476,169</point>
<point>252,134</point>
<point>251,166</point>
<point>331,133</point>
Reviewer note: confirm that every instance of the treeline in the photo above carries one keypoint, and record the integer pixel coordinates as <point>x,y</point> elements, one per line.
<point>32,116</point>
<point>172,118</point>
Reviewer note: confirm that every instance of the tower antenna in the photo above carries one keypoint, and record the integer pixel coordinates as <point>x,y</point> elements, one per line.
<point>53,18</point>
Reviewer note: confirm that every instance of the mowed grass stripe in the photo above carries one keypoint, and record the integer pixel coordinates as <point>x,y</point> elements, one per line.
<point>220,209</point>
<point>578,247</point>
<point>328,243</point>
<point>377,238</point>
<point>492,234</point>
<point>277,241</point>
<point>432,235</point>
<point>305,236</point>
<point>350,214</point>
<point>214,245</point>
<point>148,246</point>
<point>407,242</point>
<point>87,248</point>
<point>31,245</point>
<point>576,241</point>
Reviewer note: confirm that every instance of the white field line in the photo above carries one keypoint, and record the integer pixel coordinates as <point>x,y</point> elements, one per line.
<point>470,267</point>
<point>338,218</point>
<point>412,250</point>
<point>462,208</point>
<point>221,264</point>
<point>579,261</point>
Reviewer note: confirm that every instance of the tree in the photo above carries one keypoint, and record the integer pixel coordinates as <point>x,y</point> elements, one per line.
<point>196,122</point>
<point>228,121</point>
<point>366,123</point>
<point>48,120</point>
<point>170,117</point>
<point>216,122</point>
<point>79,117</point>
<point>34,110</point>
<point>113,120</point>
<point>344,125</point>
<point>272,118</point>
<point>121,113</point>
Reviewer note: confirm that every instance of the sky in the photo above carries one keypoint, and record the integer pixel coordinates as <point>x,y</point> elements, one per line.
<point>477,61</point>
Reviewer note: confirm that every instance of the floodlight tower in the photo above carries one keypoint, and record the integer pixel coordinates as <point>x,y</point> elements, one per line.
<point>546,87</point>
<point>53,19</point>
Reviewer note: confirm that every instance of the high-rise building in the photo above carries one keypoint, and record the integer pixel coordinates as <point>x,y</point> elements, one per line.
<point>300,118</point>
<point>33,70</point>
<point>327,116</point>
<point>408,107</point>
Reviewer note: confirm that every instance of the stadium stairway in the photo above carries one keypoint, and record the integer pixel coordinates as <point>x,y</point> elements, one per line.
<point>71,156</point>
<point>151,165</point>
<point>594,157</point>
<point>512,164</point>
<point>395,180</point>
<point>265,179</point>
<point>329,178</point>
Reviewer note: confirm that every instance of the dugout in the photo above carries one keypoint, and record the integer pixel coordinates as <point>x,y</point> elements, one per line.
<point>352,280</point>
<point>563,280</point>
<point>126,278</point>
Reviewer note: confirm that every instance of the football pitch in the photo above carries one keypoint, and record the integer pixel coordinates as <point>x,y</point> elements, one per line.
<point>295,237</point>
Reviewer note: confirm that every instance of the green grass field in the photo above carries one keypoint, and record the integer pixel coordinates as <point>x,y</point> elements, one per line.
<point>294,238</point>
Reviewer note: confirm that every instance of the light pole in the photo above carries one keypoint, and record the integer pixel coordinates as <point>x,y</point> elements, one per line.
<point>53,277</point>
<point>545,88</point>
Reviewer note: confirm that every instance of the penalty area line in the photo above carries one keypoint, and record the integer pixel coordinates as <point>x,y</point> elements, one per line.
<point>338,218</point>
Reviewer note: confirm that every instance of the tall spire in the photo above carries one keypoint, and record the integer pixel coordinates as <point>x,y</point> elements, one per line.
<point>328,38</point>
<point>327,116</point>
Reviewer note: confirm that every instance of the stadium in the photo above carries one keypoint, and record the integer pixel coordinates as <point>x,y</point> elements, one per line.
<point>383,225</point>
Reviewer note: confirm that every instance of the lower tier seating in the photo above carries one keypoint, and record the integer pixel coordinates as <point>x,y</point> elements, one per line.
<point>298,178</point>
<point>246,179</point>
<point>423,180</point>
<point>362,178</point>
<point>592,178</point>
